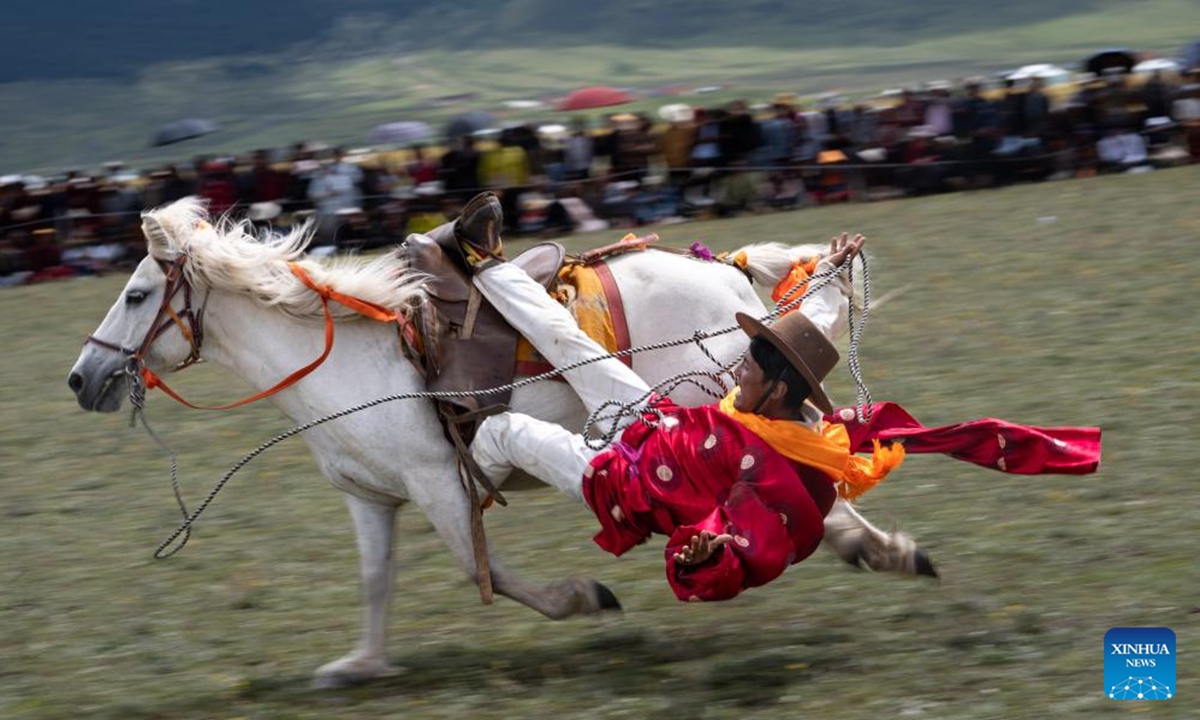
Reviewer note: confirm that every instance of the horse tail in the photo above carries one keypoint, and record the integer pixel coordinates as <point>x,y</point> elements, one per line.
<point>769,263</point>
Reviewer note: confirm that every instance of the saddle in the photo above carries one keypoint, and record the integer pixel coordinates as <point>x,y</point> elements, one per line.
<point>468,344</point>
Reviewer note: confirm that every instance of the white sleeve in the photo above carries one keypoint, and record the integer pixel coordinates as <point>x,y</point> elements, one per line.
<point>828,308</point>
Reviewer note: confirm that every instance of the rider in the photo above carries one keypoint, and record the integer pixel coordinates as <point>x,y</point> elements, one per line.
<point>741,487</point>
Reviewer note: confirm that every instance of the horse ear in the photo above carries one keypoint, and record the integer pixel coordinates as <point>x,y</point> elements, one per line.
<point>156,234</point>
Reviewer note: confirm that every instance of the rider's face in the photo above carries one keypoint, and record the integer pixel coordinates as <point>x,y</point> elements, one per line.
<point>752,385</point>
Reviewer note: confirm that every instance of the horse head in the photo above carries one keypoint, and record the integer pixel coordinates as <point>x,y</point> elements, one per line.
<point>152,323</point>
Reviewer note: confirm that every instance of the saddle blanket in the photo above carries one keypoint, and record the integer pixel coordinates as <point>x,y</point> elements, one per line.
<point>591,295</point>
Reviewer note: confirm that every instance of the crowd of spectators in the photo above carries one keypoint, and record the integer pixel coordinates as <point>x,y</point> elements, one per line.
<point>633,170</point>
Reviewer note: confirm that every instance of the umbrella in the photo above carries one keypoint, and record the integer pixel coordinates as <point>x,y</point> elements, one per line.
<point>399,133</point>
<point>1191,56</point>
<point>594,97</point>
<point>182,130</point>
<point>468,123</point>
<point>1156,65</point>
<point>676,112</point>
<point>553,131</point>
<point>1108,59</point>
<point>1044,71</point>
<point>523,104</point>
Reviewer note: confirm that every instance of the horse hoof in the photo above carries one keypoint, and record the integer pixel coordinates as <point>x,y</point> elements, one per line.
<point>605,599</point>
<point>351,672</point>
<point>924,565</point>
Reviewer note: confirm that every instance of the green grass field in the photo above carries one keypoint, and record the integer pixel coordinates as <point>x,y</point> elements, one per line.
<point>1066,303</point>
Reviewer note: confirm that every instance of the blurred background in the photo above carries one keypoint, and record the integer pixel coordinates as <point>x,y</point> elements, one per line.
<point>583,117</point>
<point>1025,171</point>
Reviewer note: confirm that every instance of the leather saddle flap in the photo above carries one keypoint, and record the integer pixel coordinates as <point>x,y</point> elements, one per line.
<point>474,347</point>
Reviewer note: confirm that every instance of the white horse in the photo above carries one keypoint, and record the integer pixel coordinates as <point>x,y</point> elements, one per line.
<point>261,323</point>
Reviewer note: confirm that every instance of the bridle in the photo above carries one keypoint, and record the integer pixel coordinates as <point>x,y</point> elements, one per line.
<point>191,326</point>
<point>189,321</point>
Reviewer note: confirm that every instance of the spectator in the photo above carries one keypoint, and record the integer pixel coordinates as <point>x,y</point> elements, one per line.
<point>979,121</point>
<point>175,186</point>
<point>355,232</point>
<point>676,142</point>
<point>420,169</point>
<point>460,168</point>
<point>1036,110</point>
<point>1186,111</point>
<point>218,187</point>
<point>1014,110</point>
<point>262,183</point>
<point>579,152</point>
<point>939,116</point>
<point>333,189</point>
<point>377,184</point>
<point>633,146</point>
<point>778,145</point>
<point>505,166</point>
<point>911,111</point>
<point>740,135</point>
<point>924,173</point>
<point>1156,96</point>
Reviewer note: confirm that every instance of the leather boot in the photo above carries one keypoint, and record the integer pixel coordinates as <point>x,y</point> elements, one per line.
<point>477,229</point>
<point>480,225</point>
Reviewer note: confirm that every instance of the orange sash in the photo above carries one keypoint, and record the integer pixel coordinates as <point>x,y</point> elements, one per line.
<point>827,451</point>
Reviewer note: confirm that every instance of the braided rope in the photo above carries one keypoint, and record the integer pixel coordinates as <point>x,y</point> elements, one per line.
<point>612,412</point>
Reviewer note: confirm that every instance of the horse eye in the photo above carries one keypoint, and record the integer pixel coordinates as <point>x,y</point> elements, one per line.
<point>135,297</point>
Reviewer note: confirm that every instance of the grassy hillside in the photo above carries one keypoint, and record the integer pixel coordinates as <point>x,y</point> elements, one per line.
<point>117,39</point>
<point>1080,321</point>
<point>360,74</point>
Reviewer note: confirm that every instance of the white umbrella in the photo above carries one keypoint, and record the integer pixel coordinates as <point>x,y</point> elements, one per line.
<point>676,112</point>
<point>1045,71</point>
<point>552,130</point>
<point>1156,65</point>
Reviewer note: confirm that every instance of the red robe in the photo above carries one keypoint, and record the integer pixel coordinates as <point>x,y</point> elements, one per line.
<point>702,470</point>
<point>996,444</point>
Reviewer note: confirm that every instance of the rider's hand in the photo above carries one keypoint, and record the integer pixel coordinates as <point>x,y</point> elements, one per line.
<point>842,248</point>
<point>701,548</point>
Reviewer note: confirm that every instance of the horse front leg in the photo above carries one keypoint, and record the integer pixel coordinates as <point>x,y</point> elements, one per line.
<point>447,506</point>
<point>374,526</point>
<point>859,543</point>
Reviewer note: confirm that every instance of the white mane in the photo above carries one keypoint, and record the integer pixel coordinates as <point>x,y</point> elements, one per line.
<point>228,256</point>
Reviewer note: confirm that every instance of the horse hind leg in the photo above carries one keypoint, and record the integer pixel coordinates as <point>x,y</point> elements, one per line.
<point>446,505</point>
<point>859,543</point>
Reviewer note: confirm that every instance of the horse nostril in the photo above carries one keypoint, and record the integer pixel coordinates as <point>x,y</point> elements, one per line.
<point>75,381</point>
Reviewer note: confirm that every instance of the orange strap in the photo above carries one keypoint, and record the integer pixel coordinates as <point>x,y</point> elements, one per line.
<point>367,309</point>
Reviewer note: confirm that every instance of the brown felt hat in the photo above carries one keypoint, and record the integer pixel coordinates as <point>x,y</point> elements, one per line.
<point>805,347</point>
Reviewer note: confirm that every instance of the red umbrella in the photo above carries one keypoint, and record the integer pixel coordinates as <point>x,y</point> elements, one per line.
<point>594,97</point>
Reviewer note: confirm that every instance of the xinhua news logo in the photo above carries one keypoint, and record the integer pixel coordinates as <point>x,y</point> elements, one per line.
<point>1139,664</point>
